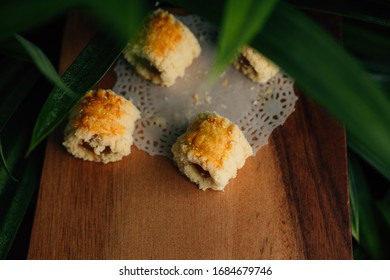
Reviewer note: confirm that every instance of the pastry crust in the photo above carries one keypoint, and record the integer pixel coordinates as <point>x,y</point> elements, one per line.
<point>255,66</point>
<point>211,151</point>
<point>165,48</point>
<point>100,127</point>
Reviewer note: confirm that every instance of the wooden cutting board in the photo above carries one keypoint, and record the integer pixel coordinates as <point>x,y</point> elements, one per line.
<point>290,201</point>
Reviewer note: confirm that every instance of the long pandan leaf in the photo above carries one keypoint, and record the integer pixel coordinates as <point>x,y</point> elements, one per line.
<point>384,208</point>
<point>13,153</point>
<point>42,62</point>
<point>333,79</point>
<point>364,220</point>
<point>18,204</point>
<point>4,162</point>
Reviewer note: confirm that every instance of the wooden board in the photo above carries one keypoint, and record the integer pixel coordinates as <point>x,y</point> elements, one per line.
<point>290,201</point>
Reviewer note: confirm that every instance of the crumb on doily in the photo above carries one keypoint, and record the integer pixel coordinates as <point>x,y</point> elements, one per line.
<point>159,121</point>
<point>195,98</point>
<point>267,91</point>
<point>188,117</point>
<point>225,82</point>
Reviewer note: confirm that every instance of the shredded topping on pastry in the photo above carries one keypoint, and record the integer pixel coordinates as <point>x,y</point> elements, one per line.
<point>211,138</point>
<point>164,35</point>
<point>99,111</point>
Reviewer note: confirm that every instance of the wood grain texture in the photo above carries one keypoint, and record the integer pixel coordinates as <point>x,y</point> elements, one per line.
<point>290,201</point>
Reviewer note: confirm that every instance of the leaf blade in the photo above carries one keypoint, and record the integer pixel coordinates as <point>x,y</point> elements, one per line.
<point>42,62</point>
<point>364,224</point>
<point>4,162</point>
<point>344,92</point>
<point>13,215</point>
<point>14,147</point>
<point>384,208</point>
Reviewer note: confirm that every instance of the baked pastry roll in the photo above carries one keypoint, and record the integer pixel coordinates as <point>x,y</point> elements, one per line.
<point>254,65</point>
<point>100,127</point>
<point>211,151</point>
<point>165,48</point>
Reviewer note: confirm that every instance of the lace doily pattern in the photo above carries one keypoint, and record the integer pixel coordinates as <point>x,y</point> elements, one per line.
<point>256,108</point>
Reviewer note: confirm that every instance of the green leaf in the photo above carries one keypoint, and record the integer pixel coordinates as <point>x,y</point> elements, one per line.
<point>384,207</point>
<point>18,204</point>
<point>43,63</point>
<point>354,201</point>
<point>15,84</point>
<point>13,153</point>
<point>6,168</point>
<point>332,78</point>
<point>360,39</point>
<point>241,21</point>
<point>367,41</point>
<point>15,142</point>
<point>365,150</point>
<point>88,68</point>
<point>365,227</point>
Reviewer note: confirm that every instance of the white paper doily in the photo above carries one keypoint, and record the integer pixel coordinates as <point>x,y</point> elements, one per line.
<point>256,108</point>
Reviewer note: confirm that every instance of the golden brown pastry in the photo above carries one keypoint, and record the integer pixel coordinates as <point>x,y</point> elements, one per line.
<point>100,127</point>
<point>255,66</point>
<point>211,151</point>
<point>164,50</point>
